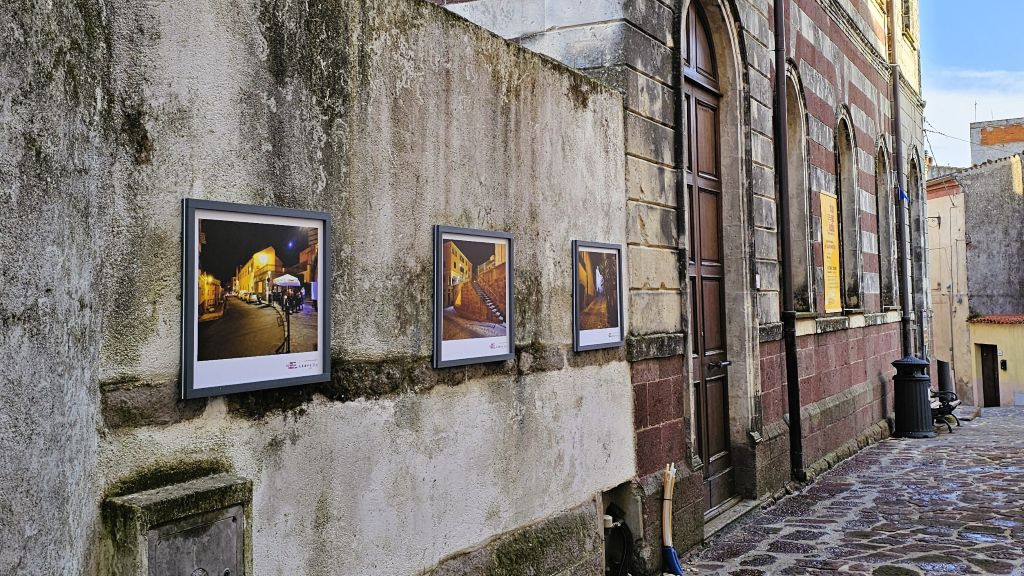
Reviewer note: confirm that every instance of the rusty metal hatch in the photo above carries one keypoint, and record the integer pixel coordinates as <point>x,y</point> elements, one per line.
<point>209,544</point>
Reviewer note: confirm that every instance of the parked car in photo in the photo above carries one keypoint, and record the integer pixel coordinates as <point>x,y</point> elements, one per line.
<point>253,298</point>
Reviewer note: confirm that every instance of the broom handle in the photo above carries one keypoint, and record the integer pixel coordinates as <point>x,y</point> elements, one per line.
<point>666,507</point>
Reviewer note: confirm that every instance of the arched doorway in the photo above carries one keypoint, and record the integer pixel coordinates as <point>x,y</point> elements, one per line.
<point>706,258</point>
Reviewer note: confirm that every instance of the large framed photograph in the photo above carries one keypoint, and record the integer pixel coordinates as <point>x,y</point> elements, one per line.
<point>473,301</point>
<point>255,298</point>
<point>597,296</point>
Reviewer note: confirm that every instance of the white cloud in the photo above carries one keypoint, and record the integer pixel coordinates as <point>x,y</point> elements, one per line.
<point>992,79</point>
<point>950,97</point>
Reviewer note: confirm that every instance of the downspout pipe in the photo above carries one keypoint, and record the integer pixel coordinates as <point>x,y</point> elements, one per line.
<point>796,440</point>
<point>902,208</point>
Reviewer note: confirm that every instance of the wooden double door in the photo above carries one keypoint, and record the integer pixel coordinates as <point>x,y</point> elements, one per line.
<point>706,262</point>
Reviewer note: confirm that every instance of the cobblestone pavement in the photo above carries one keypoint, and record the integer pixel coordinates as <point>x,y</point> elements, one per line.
<point>953,504</point>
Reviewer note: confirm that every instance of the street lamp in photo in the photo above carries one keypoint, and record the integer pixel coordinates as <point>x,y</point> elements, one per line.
<point>287,281</point>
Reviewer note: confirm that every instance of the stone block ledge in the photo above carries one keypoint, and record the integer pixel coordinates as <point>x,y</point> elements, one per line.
<point>161,505</point>
<point>566,543</point>
<point>872,435</point>
<point>654,346</point>
<point>129,520</point>
<point>769,332</point>
<point>130,403</point>
<point>770,432</point>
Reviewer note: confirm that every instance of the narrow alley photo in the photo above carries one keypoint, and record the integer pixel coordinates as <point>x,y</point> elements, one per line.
<point>475,284</point>
<point>256,283</point>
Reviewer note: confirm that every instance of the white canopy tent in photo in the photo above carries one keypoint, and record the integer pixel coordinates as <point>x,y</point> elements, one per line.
<point>287,280</point>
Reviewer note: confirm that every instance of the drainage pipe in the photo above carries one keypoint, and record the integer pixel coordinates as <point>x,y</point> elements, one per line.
<point>796,441</point>
<point>902,208</point>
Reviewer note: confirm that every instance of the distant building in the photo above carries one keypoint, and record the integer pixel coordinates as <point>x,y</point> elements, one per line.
<point>938,171</point>
<point>456,269</point>
<point>998,346</point>
<point>499,257</point>
<point>996,139</point>
<point>259,271</point>
<point>976,262</point>
<point>210,291</point>
<point>306,268</point>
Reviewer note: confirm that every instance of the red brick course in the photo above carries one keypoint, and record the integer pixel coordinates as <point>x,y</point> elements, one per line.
<point>831,364</point>
<point>659,396</point>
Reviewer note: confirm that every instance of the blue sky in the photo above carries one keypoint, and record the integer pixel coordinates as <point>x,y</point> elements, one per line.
<point>971,51</point>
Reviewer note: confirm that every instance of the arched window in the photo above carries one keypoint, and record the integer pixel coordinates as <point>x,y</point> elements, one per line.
<point>849,217</point>
<point>799,231</point>
<point>885,212</point>
<point>917,261</point>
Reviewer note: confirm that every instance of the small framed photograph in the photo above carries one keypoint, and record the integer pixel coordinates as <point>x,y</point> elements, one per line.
<point>473,302</point>
<point>597,296</point>
<point>256,297</point>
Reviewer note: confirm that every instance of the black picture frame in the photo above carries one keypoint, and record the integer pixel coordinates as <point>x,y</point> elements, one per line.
<point>577,344</point>
<point>190,314</point>
<point>439,360</point>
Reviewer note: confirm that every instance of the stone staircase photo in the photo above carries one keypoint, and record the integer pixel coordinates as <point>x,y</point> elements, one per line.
<point>489,303</point>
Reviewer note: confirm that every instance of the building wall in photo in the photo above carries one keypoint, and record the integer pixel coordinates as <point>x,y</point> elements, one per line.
<point>390,116</point>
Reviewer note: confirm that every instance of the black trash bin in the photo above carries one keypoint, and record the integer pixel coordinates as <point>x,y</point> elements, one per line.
<point>911,399</point>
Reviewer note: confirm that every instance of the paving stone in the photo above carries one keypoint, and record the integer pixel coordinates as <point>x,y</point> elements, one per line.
<point>948,505</point>
<point>758,560</point>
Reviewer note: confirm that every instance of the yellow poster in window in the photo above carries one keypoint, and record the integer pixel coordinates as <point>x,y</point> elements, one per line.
<point>830,252</point>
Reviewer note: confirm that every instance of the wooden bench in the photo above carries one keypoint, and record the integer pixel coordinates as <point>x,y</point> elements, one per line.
<point>944,402</point>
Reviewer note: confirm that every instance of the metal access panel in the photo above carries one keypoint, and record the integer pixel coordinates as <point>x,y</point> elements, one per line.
<point>208,544</point>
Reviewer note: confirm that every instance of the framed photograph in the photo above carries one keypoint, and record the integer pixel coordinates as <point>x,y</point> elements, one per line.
<point>473,303</point>
<point>597,296</point>
<point>256,297</point>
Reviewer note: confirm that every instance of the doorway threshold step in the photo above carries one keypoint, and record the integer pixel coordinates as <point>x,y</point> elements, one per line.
<point>967,413</point>
<point>729,516</point>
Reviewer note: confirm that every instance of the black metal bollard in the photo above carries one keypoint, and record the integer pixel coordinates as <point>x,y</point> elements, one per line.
<point>911,400</point>
<point>945,377</point>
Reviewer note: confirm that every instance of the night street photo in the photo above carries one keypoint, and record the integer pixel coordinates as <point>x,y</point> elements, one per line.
<point>597,290</point>
<point>475,289</point>
<point>255,283</point>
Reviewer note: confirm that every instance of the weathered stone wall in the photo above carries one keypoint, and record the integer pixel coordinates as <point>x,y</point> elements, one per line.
<point>628,44</point>
<point>994,221</point>
<point>62,136</point>
<point>392,117</point>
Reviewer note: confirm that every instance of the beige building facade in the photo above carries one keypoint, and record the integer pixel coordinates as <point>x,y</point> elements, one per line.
<point>997,347</point>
